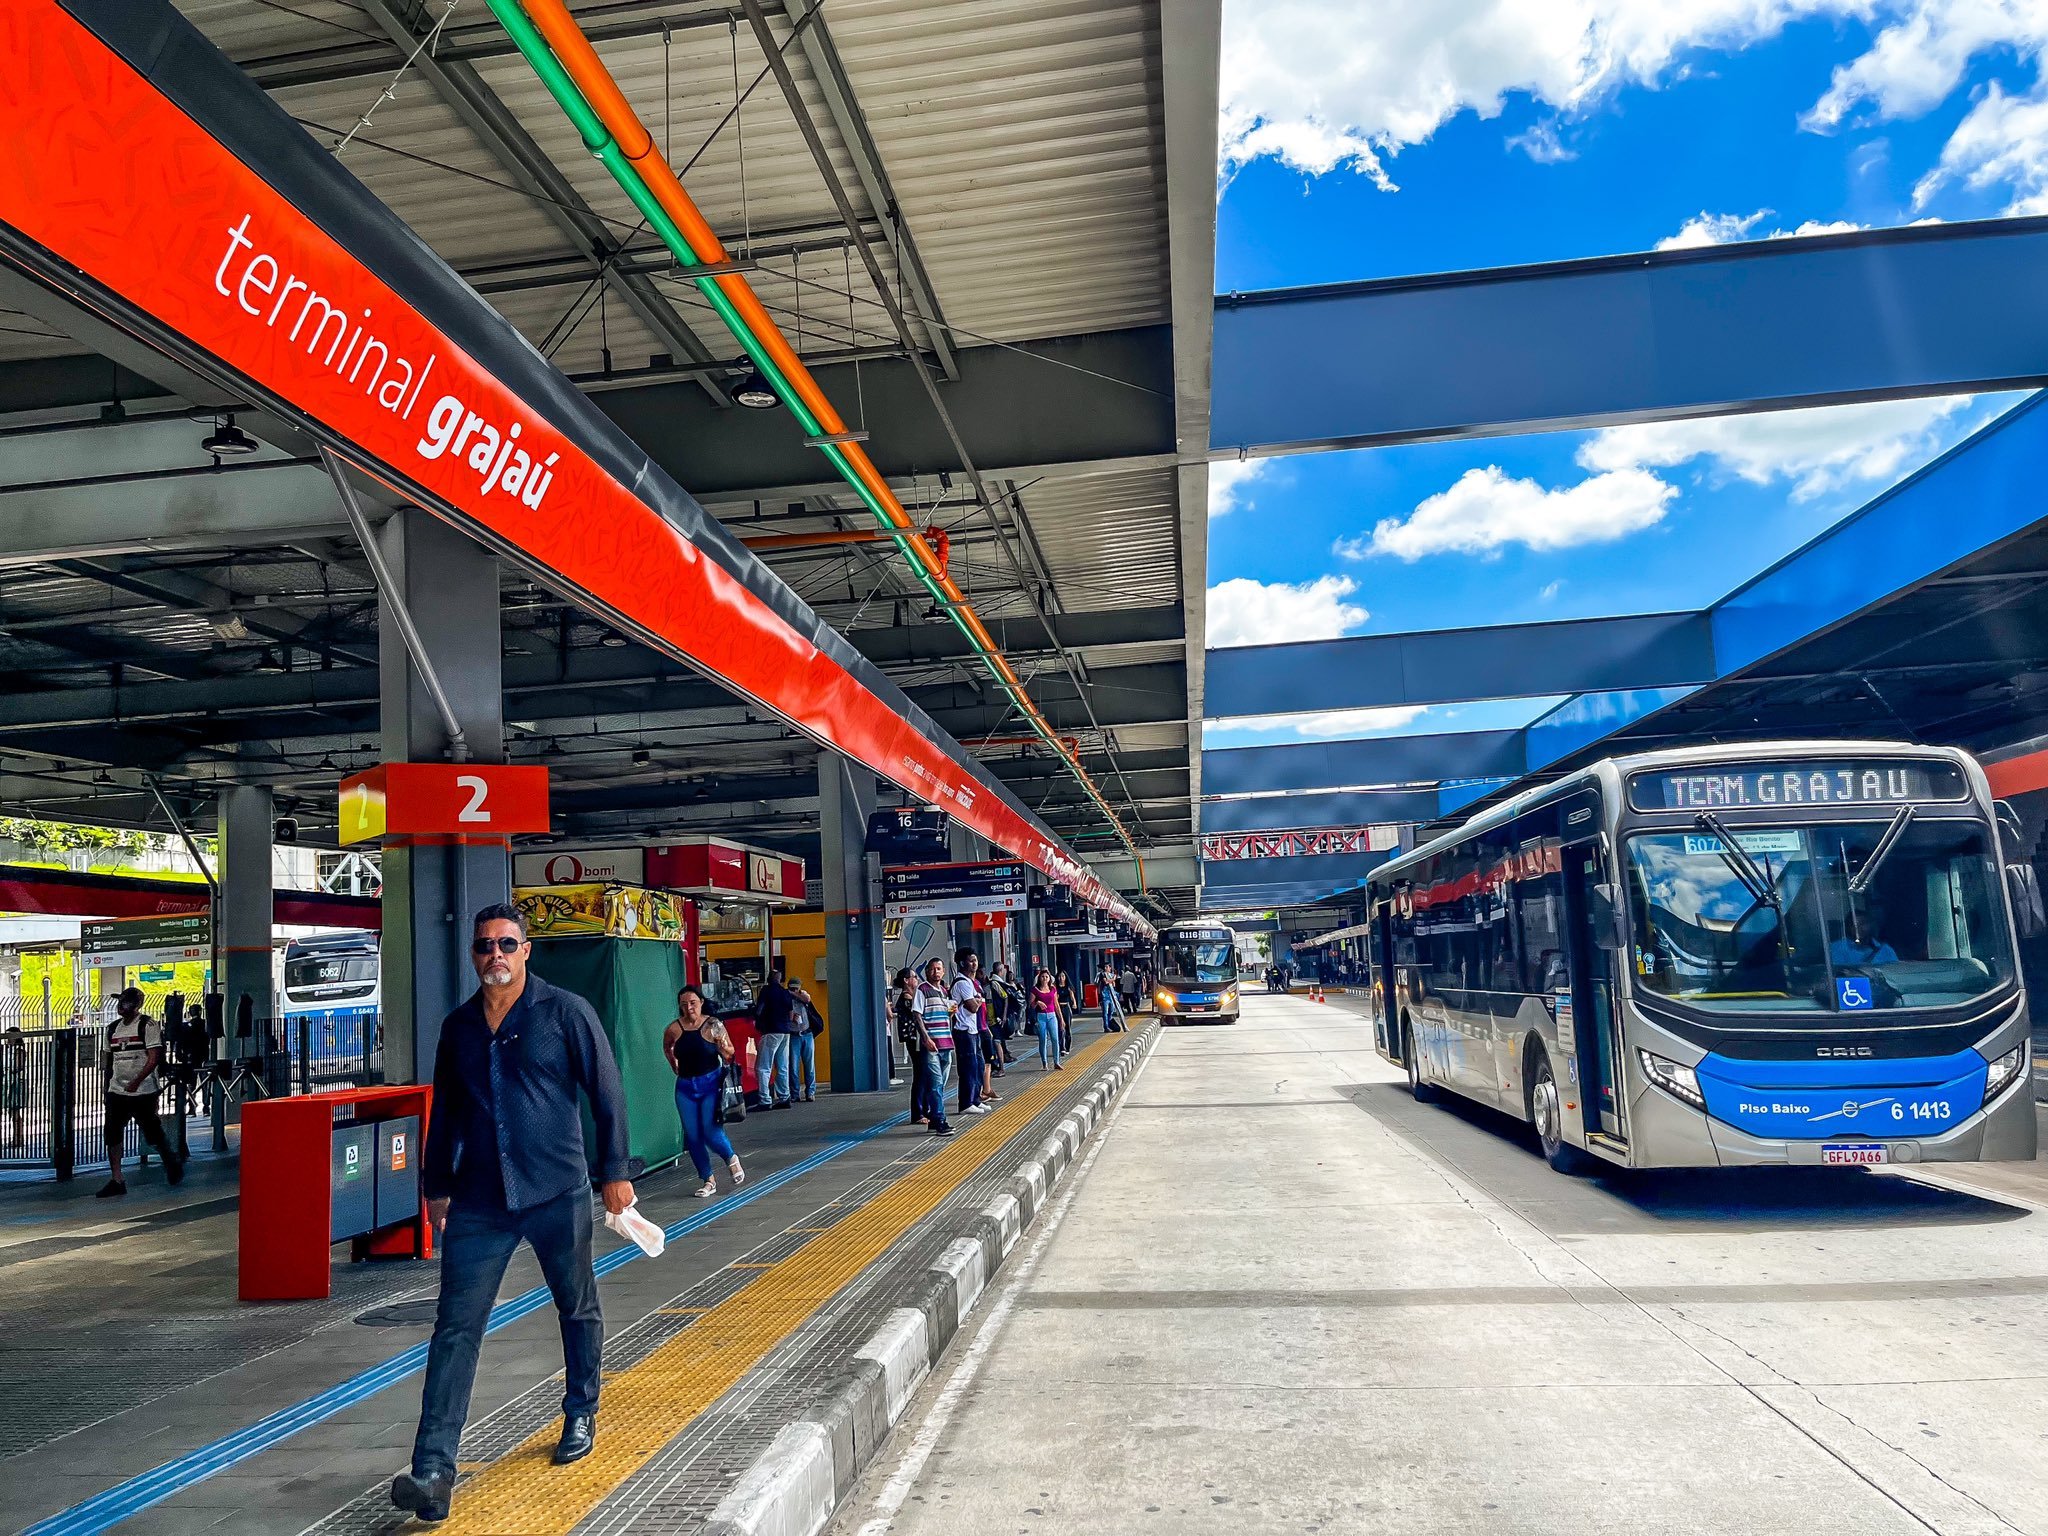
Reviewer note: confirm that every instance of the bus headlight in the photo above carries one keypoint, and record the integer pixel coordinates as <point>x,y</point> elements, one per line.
<point>1679,1082</point>
<point>1163,1001</point>
<point>1230,996</point>
<point>2004,1072</point>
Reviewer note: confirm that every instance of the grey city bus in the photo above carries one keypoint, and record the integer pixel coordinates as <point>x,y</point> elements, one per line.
<point>1196,975</point>
<point>1794,953</point>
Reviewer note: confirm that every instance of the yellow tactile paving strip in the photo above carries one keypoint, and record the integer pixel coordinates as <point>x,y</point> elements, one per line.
<point>647,1405</point>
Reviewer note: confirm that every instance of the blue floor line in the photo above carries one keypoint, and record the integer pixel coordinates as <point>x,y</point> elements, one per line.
<point>130,1497</point>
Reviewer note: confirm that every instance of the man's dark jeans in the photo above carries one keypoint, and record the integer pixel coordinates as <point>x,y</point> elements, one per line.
<point>967,1047</point>
<point>476,1245</point>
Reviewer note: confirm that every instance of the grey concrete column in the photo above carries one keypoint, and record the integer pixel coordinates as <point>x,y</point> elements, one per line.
<point>855,984</point>
<point>244,826</point>
<point>449,582</point>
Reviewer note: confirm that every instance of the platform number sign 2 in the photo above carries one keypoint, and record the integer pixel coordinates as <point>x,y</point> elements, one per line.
<point>443,800</point>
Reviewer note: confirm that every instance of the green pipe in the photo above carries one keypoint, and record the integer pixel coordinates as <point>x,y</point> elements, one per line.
<point>598,140</point>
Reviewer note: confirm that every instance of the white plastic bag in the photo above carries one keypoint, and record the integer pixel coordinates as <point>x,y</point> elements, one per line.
<point>637,1229</point>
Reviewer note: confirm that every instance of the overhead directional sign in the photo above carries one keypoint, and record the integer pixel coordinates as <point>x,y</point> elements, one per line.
<point>164,940</point>
<point>955,890</point>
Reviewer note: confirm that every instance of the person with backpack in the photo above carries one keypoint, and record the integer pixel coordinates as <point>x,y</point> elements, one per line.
<point>935,1042</point>
<point>128,1073</point>
<point>910,1033</point>
<point>775,1072</point>
<point>808,1023</point>
<point>1112,1008</point>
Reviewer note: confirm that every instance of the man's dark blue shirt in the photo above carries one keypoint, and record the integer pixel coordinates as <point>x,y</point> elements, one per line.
<point>777,1013</point>
<point>507,1127</point>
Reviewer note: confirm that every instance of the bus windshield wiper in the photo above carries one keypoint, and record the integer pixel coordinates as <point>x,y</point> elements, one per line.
<point>1860,881</point>
<point>1737,858</point>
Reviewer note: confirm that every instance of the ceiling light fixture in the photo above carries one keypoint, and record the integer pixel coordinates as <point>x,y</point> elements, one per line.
<point>227,441</point>
<point>750,389</point>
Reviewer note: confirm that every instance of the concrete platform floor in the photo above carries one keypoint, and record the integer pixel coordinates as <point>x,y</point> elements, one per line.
<point>1284,1297</point>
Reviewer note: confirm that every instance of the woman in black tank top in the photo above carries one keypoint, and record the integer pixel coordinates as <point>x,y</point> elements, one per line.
<point>698,1048</point>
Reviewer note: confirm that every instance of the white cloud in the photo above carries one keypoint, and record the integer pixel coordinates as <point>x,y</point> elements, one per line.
<point>1242,611</point>
<point>1319,84</point>
<point>1486,510</point>
<point>1228,479</point>
<point>2003,142</point>
<point>1327,723</point>
<point>1819,450</point>
<point>1550,591</point>
<point>1919,57</point>
<point>1543,144</point>
<point>1712,229</point>
<point>1725,228</point>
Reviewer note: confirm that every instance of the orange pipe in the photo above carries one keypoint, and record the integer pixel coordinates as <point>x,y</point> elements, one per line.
<point>579,59</point>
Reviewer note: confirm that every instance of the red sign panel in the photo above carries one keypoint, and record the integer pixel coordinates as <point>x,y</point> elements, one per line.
<point>112,177</point>
<point>711,864</point>
<point>443,799</point>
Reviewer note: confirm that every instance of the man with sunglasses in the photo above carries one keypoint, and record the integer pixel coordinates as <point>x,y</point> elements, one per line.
<point>505,1161</point>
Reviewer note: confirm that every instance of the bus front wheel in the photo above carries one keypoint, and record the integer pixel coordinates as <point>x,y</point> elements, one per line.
<point>1546,1112</point>
<point>1424,1093</point>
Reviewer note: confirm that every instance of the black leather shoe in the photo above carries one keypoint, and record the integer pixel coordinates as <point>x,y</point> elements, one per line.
<point>579,1438</point>
<point>426,1497</point>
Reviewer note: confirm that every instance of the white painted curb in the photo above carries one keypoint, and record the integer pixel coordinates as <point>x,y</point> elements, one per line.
<point>796,1485</point>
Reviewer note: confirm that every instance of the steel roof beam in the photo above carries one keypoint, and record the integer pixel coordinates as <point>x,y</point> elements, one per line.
<point>502,136</point>
<point>193,594</point>
<point>1662,335</point>
<point>829,73</point>
<point>256,505</point>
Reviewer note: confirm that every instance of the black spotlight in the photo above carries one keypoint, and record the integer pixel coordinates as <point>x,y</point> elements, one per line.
<point>228,441</point>
<point>642,757</point>
<point>750,389</point>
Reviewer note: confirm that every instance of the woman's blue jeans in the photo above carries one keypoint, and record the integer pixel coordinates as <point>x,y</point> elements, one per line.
<point>1048,1039</point>
<point>697,1105</point>
<point>804,1062</point>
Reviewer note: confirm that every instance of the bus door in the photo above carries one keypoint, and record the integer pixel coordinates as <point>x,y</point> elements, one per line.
<point>1382,952</point>
<point>1588,906</point>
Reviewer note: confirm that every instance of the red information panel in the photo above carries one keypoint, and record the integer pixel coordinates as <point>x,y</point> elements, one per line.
<point>443,799</point>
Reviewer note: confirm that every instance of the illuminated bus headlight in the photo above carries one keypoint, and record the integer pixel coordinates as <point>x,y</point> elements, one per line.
<point>2004,1072</point>
<point>1230,996</point>
<point>1680,1082</point>
<point>1163,1001</point>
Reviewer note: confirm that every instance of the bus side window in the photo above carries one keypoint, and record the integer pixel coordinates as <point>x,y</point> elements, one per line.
<point>1555,976</point>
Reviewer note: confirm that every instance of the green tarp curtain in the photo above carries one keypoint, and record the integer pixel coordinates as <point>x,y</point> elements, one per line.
<point>632,983</point>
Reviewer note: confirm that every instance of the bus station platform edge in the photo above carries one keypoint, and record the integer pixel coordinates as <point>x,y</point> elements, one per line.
<point>746,1401</point>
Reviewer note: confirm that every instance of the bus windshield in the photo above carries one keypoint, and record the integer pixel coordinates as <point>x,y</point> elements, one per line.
<point>1197,958</point>
<point>305,973</point>
<point>1838,919</point>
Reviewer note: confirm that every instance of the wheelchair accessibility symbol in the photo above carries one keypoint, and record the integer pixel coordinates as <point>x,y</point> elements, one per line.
<point>1853,993</point>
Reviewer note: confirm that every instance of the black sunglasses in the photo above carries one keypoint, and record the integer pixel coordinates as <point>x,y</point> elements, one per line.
<point>505,945</point>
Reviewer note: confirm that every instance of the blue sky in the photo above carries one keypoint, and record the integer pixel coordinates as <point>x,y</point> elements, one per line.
<point>1473,133</point>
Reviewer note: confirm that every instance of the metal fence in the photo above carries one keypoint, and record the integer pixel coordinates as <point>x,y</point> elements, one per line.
<point>52,1082</point>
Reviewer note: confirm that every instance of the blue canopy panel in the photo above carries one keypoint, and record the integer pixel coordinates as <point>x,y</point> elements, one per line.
<point>1452,666</point>
<point>1382,760</point>
<point>1939,309</point>
<point>1309,876</point>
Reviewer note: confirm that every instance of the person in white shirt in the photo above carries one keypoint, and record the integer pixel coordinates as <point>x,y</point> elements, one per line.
<point>967,1006</point>
<point>128,1068</point>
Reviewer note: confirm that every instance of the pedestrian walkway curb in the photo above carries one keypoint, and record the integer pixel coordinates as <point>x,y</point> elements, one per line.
<point>796,1485</point>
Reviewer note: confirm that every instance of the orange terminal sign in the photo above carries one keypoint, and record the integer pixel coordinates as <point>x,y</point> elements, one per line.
<point>104,172</point>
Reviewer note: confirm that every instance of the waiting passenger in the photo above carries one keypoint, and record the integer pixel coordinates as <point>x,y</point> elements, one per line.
<point>1069,1006</point>
<point>1045,1013</point>
<point>968,1005</point>
<point>935,1041</point>
<point>698,1049</point>
<point>909,1030</point>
